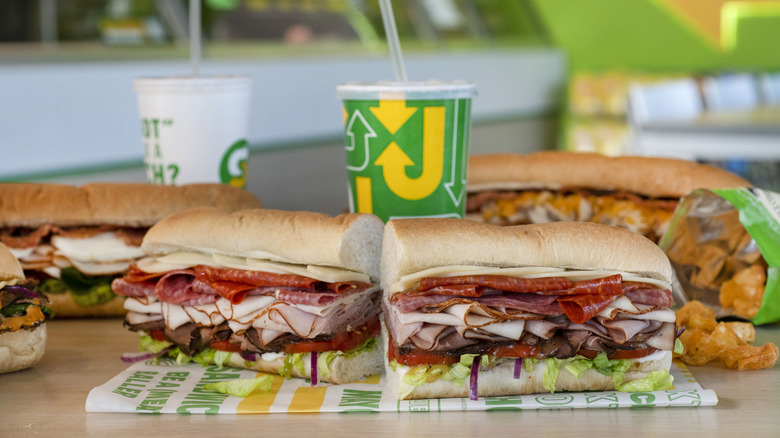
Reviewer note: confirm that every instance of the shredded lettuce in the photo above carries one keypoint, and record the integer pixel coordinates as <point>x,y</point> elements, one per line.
<point>87,290</point>
<point>654,381</point>
<point>458,373</point>
<point>292,360</point>
<point>578,366</point>
<point>615,368</point>
<point>147,343</point>
<point>241,387</point>
<point>679,348</point>
<point>222,357</point>
<point>551,370</point>
<point>53,286</point>
<point>204,357</point>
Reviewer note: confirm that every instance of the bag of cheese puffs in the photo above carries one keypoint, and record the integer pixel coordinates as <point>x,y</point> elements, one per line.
<point>724,245</point>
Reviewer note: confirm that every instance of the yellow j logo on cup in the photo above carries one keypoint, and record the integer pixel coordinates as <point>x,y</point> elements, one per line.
<point>407,148</point>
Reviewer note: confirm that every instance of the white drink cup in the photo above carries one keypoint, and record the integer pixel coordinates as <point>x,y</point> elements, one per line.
<point>195,128</point>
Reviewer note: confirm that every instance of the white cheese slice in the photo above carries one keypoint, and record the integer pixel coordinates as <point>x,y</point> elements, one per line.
<point>154,266</point>
<point>103,247</point>
<point>330,274</point>
<point>187,258</point>
<point>278,267</point>
<point>408,281</point>
<point>183,260</point>
<point>411,281</point>
<point>23,252</point>
<point>101,268</point>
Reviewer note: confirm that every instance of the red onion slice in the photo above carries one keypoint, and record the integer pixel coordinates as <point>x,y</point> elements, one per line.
<point>143,355</point>
<point>518,367</point>
<point>248,356</point>
<point>473,390</point>
<point>21,290</point>
<point>314,368</point>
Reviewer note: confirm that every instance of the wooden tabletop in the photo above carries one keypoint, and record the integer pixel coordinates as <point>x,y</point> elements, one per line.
<point>49,400</point>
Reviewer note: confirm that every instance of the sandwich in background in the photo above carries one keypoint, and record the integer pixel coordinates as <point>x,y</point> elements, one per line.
<point>23,314</point>
<point>632,192</point>
<point>474,309</point>
<point>294,293</point>
<point>76,240</point>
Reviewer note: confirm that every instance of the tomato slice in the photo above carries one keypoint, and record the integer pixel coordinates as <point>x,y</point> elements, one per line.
<point>308,347</point>
<point>422,357</point>
<point>342,342</point>
<point>157,335</point>
<point>225,346</point>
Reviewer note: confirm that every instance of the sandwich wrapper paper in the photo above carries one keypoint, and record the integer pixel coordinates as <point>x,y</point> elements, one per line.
<point>169,388</point>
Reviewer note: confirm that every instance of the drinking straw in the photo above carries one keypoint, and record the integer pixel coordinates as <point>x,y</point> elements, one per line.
<point>195,36</point>
<point>392,40</point>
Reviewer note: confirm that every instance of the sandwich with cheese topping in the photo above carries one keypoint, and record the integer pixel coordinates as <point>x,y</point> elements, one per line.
<point>23,314</point>
<point>75,240</point>
<point>294,293</point>
<point>636,193</point>
<point>473,309</point>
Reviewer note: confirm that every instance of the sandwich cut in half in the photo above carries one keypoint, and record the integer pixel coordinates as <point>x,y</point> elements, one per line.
<point>23,314</point>
<point>76,239</point>
<point>632,192</point>
<point>294,293</point>
<point>473,309</point>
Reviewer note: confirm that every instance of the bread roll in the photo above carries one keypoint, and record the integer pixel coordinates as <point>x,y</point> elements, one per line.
<point>348,241</point>
<point>22,348</point>
<point>412,245</point>
<point>648,176</point>
<point>122,204</point>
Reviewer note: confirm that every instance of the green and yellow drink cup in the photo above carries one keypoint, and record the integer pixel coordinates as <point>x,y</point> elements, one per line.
<point>407,147</point>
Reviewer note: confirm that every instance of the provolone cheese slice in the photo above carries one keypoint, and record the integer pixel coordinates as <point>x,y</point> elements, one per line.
<point>183,260</point>
<point>103,247</point>
<point>407,281</point>
<point>101,268</point>
<point>22,252</point>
